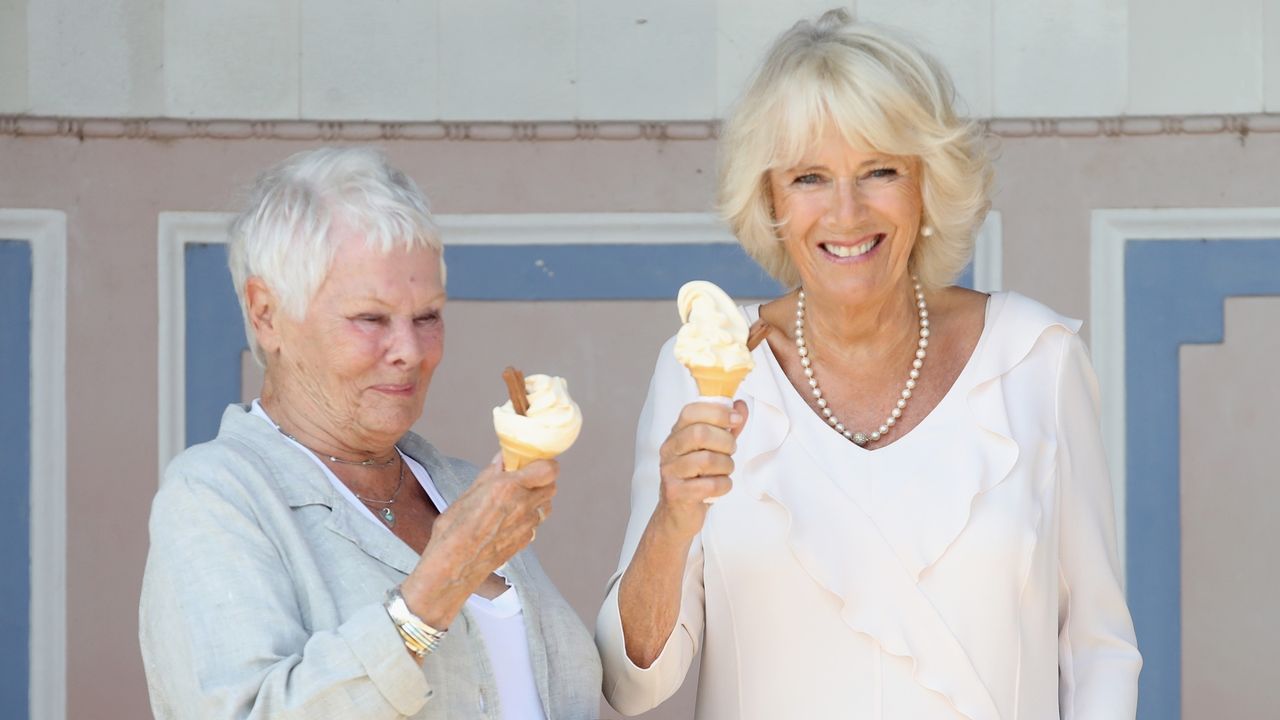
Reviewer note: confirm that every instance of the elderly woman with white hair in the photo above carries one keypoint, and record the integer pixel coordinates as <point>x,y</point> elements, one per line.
<point>919,522</point>
<point>317,559</point>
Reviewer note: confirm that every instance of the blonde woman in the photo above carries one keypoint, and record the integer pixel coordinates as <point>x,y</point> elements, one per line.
<point>919,522</point>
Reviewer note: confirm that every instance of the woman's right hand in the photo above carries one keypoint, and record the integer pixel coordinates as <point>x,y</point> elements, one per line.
<point>695,462</point>
<point>493,520</point>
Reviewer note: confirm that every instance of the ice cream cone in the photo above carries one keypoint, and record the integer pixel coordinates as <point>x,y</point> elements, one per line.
<point>717,381</point>
<point>516,454</point>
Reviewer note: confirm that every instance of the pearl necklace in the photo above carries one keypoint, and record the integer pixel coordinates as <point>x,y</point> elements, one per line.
<point>860,438</point>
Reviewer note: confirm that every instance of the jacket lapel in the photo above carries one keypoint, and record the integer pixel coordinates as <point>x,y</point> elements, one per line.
<point>301,482</point>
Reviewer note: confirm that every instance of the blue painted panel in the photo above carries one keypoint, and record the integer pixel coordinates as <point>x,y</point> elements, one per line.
<point>966,276</point>
<point>215,340</point>
<point>1174,291</point>
<point>600,272</point>
<point>15,481</point>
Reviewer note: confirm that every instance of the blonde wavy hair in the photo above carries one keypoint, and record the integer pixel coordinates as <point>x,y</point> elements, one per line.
<point>882,94</point>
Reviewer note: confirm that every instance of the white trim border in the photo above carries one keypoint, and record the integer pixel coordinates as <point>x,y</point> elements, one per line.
<point>988,254</point>
<point>583,229</point>
<point>1111,231</point>
<point>176,230</point>
<point>46,231</point>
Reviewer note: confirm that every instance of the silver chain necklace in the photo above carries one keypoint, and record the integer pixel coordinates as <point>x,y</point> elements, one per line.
<point>861,438</point>
<point>370,463</point>
<point>384,513</point>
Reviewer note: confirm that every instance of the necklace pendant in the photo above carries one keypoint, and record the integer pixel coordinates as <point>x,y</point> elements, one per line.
<point>388,516</point>
<point>860,439</point>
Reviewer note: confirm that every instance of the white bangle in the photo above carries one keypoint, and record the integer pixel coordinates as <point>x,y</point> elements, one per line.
<point>418,636</point>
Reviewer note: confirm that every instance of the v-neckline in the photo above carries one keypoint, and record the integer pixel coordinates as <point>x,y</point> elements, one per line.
<point>793,394</point>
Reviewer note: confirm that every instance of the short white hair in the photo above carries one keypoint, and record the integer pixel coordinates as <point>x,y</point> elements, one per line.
<point>881,93</point>
<point>283,236</point>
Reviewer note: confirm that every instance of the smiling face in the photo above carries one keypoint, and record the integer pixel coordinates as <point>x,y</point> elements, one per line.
<point>851,219</point>
<point>361,359</point>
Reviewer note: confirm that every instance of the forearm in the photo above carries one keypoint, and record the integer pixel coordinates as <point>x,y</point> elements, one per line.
<point>437,589</point>
<point>649,590</point>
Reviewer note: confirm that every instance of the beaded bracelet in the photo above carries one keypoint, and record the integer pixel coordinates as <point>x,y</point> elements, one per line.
<point>419,637</point>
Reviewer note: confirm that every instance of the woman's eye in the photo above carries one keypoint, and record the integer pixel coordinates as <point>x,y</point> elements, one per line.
<point>882,173</point>
<point>371,319</point>
<point>807,179</point>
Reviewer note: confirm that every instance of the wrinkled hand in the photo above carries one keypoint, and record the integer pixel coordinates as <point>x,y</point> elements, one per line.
<point>493,520</point>
<point>695,462</point>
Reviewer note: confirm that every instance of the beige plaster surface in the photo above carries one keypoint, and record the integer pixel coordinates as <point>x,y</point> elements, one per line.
<point>113,190</point>
<point>1230,490</point>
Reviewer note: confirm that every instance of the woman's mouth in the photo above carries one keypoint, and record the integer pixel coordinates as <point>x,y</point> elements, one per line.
<point>849,251</point>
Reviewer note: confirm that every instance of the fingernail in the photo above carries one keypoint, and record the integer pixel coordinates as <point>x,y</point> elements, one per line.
<point>735,418</point>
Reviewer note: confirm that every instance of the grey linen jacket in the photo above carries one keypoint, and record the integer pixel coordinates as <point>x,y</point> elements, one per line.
<point>262,598</point>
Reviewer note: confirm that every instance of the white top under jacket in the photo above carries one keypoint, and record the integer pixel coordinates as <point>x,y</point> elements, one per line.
<point>967,570</point>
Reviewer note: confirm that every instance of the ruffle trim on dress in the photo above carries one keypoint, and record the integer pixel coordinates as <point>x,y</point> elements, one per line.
<point>878,586</point>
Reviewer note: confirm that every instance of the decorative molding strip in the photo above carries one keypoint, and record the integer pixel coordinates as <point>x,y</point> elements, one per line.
<point>370,131</point>
<point>46,230</point>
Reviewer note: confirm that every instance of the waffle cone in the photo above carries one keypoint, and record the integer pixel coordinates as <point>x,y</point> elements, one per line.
<point>516,454</point>
<point>718,382</point>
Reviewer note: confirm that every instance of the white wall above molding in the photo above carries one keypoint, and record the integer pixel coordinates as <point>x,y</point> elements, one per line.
<point>1111,230</point>
<point>105,57</point>
<point>13,57</point>
<point>1271,57</point>
<point>46,231</point>
<point>645,56</point>
<point>1059,58</point>
<point>233,58</point>
<point>396,78</point>
<point>1167,77</point>
<point>654,60</point>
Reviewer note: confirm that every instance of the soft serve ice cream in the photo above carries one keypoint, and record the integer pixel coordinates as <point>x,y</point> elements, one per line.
<point>547,428</point>
<point>712,343</point>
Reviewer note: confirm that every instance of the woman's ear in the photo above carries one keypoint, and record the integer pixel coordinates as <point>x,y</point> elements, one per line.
<point>263,309</point>
<point>767,182</point>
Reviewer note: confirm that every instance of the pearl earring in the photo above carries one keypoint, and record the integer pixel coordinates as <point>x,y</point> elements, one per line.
<point>927,231</point>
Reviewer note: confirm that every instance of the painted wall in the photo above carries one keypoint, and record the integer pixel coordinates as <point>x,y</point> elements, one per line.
<point>508,60</point>
<point>113,191</point>
<point>1230,465</point>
